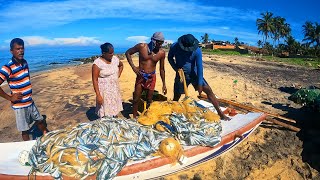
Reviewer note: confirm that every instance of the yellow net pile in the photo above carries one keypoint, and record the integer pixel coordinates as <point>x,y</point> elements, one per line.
<point>161,111</point>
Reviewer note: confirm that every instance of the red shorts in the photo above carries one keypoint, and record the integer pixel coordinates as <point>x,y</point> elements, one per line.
<point>147,83</point>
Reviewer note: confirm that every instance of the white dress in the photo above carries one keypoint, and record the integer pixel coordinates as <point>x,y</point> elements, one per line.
<point>108,83</point>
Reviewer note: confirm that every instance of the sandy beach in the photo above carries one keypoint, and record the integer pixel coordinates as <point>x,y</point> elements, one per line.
<point>66,97</point>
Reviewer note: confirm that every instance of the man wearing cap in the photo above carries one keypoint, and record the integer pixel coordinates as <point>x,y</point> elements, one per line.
<point>186,54</point>
<point>149,55</point>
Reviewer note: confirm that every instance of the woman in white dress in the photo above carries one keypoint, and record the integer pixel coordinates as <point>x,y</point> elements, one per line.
<point>106,71</point>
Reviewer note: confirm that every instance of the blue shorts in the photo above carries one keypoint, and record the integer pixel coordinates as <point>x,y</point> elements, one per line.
<point>25,117</point>
<point>190,78</point>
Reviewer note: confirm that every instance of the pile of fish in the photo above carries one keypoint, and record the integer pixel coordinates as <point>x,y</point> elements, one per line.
<point>103,147</point>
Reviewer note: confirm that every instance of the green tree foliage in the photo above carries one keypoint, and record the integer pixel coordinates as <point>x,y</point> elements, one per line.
<point>311,33</point>
<point>205,38</point>
<point>281,29</point>
<point>236,41</point>
<point>292,45</point>
<point>259,43</point>
<point>265,25</point>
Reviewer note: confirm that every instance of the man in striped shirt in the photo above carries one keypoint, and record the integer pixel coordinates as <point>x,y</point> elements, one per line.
<point>16,73</point>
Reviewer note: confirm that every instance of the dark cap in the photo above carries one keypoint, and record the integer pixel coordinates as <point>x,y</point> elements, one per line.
<point>188,42</point>
<point>158,36</point>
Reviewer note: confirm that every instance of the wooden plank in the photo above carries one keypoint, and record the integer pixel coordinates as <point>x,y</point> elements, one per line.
<point>249,108</point>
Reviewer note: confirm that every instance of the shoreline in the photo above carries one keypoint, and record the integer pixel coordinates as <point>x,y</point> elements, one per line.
<point>77,62</point>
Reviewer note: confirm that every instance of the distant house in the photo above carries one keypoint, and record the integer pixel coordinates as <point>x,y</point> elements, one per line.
<point>226,46</point>
<point>255,50</point>
<point>218,45</point>
<point>241,49</point>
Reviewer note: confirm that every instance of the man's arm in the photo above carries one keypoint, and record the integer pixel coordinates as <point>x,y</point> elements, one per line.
<point>128,54</point>
<point>199,66</point>
<point>162,72</point>
<point>14,97</point>
<point>4,74</point>
<point>3,94</point>
<point>171,54</point>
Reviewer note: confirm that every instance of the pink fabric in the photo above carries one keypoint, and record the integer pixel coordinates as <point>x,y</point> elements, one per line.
<point>109,88</point>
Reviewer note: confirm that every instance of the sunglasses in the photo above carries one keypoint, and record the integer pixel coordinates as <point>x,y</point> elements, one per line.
<point>159,42</point>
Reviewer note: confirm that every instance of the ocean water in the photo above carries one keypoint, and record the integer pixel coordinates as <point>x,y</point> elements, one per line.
<point>46,58</point>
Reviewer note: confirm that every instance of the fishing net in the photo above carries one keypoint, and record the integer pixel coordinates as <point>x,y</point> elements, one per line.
<point>103,147</point>
<point>162,111</point>
<point>307,97</point>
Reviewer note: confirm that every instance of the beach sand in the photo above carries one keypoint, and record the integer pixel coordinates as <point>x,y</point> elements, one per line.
<point>66,97</point>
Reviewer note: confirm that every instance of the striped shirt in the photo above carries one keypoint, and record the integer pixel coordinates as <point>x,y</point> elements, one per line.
<point>18,78</point>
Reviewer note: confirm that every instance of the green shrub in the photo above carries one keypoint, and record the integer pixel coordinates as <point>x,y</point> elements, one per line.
<point>220,52</point>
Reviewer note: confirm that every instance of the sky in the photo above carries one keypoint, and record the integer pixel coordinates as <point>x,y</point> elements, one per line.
<point>125,23</point>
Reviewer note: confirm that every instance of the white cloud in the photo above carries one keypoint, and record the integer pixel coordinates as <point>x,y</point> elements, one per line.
<point>138,39</point>
<point>78,41</point>
<point>52,13</point>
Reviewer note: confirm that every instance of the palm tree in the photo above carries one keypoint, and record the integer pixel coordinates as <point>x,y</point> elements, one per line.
<point>292,45</point>
<point>265,25</point>
<point>308,30</point>
<point>259,43</point>
<point>312,34</point>
<point>236,41</point>
<point>285,31</point>
<point>317,35</point>
<point>205,38</point>
<point>278,22</point>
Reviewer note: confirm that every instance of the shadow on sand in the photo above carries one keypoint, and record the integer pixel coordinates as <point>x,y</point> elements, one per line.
<point>308,121</point>
<point>91,115</point>
<point>127,110</point>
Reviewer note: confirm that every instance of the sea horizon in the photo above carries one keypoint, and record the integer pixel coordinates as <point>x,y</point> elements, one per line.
<point>47,58</point>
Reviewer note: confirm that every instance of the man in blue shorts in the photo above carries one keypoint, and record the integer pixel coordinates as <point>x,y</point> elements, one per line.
<point>16,73</point>
<point>186,54</point>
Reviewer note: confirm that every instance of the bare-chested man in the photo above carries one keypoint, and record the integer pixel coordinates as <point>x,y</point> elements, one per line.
<point>149,55</point>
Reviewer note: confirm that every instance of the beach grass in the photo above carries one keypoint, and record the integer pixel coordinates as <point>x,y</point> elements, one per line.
<point>220,52</point>
<point>306,62</point>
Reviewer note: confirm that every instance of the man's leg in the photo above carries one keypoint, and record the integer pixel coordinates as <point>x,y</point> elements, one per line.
<point>39,120</point>
<point>22,121</point>
<point>41,125</point>
<point>136,99</point>
<point>25,135</point>
<point>177,88</point>
<point>176,96</point>
<point>212,98</point>
<point>149,97</point>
